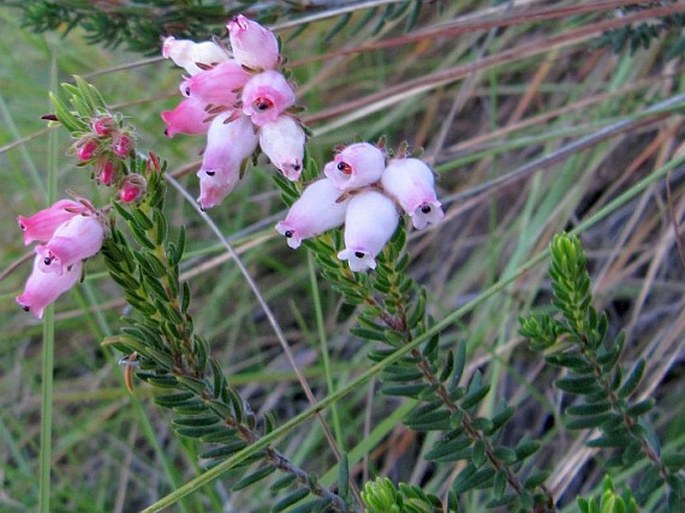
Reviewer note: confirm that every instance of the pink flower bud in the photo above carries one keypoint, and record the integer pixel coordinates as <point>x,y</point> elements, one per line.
<point>218,85</point>
<point>229,143</point>
<point>86,148</point>
<point>186,54</point>
<point>253,45</point>
<point>122,145</point>
<point>370,221</point>
<point>132,189</point>
<point>106,171</point>
<point>43,288</point>
<point>358,165</point>
<point>266,96</point>
<point>187,118</point>
<point>410,181</point>
<point>283,142</point>
<point>103,125</point>
<point>315,212</point>
<point>41,226</point>
<point>75,240</point>
<point>153,163</point>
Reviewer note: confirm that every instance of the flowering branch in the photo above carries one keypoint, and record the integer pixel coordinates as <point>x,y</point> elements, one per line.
<point>159,341</point>
<point>393,311</point>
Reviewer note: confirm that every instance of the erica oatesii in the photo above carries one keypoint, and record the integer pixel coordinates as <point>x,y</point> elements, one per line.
<point>410,181</point>
<point>241,84</point>
<point>69,232</point>
<point>370,221</point>
<point>320,208</point>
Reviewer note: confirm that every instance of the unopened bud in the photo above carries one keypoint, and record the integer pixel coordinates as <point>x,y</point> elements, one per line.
<point>132,189</point>
<point>85,149</point>
<point>122,145</point>
<point>106,171</point>
<point>103,126</point>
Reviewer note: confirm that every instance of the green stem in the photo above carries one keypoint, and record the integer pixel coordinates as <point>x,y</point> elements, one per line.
<point>46,408</point>
<point>621,409</point>
<point>48,338</point>
<point>396,356</point>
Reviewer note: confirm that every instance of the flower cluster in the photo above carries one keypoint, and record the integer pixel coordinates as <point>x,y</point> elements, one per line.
<point>362,192</point>
<point>239,100</point>
<point>69,232</point>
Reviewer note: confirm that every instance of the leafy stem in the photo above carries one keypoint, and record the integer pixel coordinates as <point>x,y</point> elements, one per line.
<point>171,356</point>
<point>394,313</point>
<point>580,342</point>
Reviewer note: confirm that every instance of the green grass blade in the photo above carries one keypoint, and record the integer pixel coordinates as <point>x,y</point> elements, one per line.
<point>325,357</point>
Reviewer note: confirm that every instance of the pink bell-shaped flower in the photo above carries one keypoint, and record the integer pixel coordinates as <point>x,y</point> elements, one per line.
<point>253,45</point>
<point>43,288</point>
<point>189,117</point>
<point>266,96</point>
<point>75,240</point>
<point>315,212</point>
<point>229,143</point>
<point>410,181</point>
<point>41,226</point>
<point>283,142</point>
<point>187,54</point>
<point>216,184</point>
<point>370,221</point>
<point>218,85</point>
<point>358,165</point>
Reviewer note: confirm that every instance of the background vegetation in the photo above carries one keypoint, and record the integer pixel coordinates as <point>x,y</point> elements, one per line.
<point>534,119</point>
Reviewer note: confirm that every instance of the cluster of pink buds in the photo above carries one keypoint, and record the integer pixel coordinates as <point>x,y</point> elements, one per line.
<point>365,194</point>
<point>240,100</point>
<point>107,146</point>
<point>69,232</point>
<point>104,146</point>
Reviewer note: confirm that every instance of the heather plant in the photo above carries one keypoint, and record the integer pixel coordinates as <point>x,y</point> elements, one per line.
<point>424,393</point>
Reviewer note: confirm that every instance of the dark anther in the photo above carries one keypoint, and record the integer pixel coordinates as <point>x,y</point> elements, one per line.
<point>187,91</point>
<point>426,209</point>
<point>344,167</point>
<point>26,308</point>
<point>359,254</point>
<point>47,260</point>
<point>210,173</point>
<point>263,103</point>
<point>288,234</point>
<point>296,167</point>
